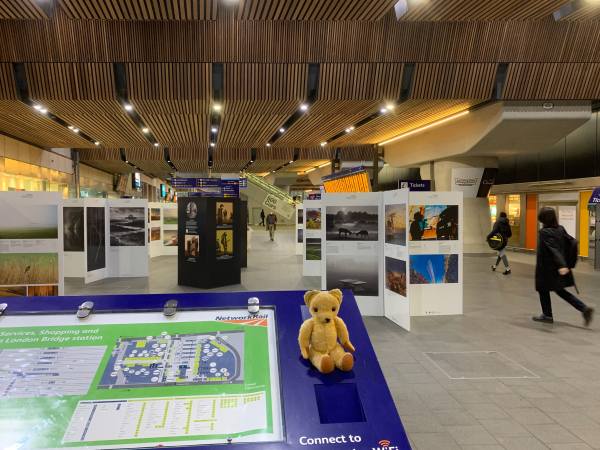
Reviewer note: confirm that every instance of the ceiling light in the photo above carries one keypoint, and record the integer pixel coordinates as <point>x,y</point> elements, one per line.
<point>126,162</point>
<point>310,170</point>
<point>425,127</point>
<point>128,107</point>
<point>268,144</point>
<point>213,129</point>
<point>323,144</point>
<point>217,107</point>
<point>324,165</point>
<point>212,144</point>
<point>303,107</point>
<point>156,144</point>
<point>96,143</point>
<point>145,130</point>
<point>75,130</point>
<point>282,130</point>
<point>251,160</point>
<point>291,161</point>
<point>349,129</point>
<point>70,127</point>
<point>390,106</point>
<point>37,107</point>
<point>43,110</point>
<point>383,110</point>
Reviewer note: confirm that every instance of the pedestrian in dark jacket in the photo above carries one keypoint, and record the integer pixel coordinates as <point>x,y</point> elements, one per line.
<point>551,270</point>
<point>501,227</point>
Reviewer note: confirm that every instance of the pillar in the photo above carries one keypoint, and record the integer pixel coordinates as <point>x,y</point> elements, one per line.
<point>476,211</point>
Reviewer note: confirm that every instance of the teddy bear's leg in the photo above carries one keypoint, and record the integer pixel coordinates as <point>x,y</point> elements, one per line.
<point>322,361</point>
<point>343,360</point>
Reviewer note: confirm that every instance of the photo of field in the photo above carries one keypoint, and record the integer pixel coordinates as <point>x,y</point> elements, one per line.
<point>224,244</point>
<point>13,291</point>
<point>224,214</point>
<point>352,223</point>
<point>360,273</point>
<point>155,234</point>
<point>395,275</point>
<point>170,216</point>
<point>395,224</point>
<point>313,249</point>
<point>127,227</point>
<point>433,222</point>
<point>28,268</point>
<point>42,291</point>
<point>154,214</point>
<point>313,218</point>
<point>170,238</point>
<point>28,222</point>
<point>433,269</point>
<point>73,228</point>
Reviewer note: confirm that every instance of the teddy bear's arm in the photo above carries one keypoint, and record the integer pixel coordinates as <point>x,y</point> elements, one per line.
<point>343,335</point>
<point>304,337</point>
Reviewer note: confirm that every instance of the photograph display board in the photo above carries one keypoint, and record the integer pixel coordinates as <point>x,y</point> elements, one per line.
<point>436,255</point>
<point>96,239</point>
<point>116,399</point>
<point>74,237</point>
<point>169,229</point>
<point>351,249</point>
<point>128,225</point>
<point>396,262</point>
<point>299,229</point>
<point>313,235</point>
<point>154,239</point>
<point>31,244</point>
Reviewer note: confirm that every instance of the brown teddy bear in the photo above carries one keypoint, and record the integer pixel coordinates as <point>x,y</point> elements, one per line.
<point>319,335</point>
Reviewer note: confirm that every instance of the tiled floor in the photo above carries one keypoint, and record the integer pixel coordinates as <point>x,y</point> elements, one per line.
<point>560,410</point>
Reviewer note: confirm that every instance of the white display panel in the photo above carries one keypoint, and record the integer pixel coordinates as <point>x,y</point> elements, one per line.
<point>96,239</point>
<point>128,238</point>
<point>314,224</point>
<point>154,237</point>
<point>299,237</point>
<point>31,244</point>
<point>351,248</point>
<point>435,228</point>
<point>394,229</point>
<point>74,238</point>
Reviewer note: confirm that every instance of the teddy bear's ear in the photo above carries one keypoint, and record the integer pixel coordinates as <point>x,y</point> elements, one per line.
<point>337,294</point>
<point>308,296</point>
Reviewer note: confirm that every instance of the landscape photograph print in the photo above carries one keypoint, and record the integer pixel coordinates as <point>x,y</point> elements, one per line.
<point>155,234</point>
<point>313,249</point>
<point>170,238</point>
<point>433,269</point>
<point>96,238</point>
<point>73,235</point>
<point>352,223</point>
<point>224,214</point>
<point>170,216</point>
<point>395,224</point>
<point>127,227</point>
<point>154,214</point>
<point>42,291</point>
<point>22,221</point>
<point>433,222</point>
<point>359,273</point>
<point>28,268</point>
<point>313,218</point>
<point>13,291</point>
<point>224,244</point>
<point>395,275</point>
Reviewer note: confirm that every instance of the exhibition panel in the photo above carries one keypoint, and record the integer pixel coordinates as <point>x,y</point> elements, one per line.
<point>96,241</point>
<point>300,229</point>
<point>74,238</point>
<point>205,371</point>
<point>31,244</point>
<point>169,229</point>
<point>154,237</point>
<point>311,259</point>
<point>396,261</point>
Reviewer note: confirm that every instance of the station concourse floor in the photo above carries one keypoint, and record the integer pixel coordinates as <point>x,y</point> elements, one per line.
<point>557,407</point>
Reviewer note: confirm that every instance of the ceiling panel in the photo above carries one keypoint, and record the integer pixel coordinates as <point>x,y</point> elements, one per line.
<point>588,11</point>
<point>8,90</point>
<point>21,9</point>
<point>140,9</point>
<point>107,159</point>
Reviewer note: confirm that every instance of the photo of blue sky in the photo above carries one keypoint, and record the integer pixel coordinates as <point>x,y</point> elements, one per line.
<point>433,269</point>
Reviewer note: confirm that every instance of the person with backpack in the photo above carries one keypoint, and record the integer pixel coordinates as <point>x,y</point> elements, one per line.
<point>501,232</point>
<point>556,256</point>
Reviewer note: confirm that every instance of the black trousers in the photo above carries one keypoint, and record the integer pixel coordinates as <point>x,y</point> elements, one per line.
<point>565,295</point>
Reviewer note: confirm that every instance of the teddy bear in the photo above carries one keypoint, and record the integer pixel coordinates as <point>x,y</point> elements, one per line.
<point>321,335</point>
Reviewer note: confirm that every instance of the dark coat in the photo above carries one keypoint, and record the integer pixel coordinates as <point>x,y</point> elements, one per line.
<point>502,227</point>
<point>550,258</point>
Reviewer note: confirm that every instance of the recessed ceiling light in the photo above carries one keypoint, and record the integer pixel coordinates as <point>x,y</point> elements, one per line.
<point>383,110</point>
<point>96,143</point>
<point>282,130</point>
<point>217,107</point>
<point>37,107</point>
<point>268,144</point>
<point>212,144</point>
<point>145,130</point>
<point>291,161</point>
<point>349,129</point>
<point>156,144</point>
<point>128,107</point>
<point>390,106</point>
<point>323,144</point>
<point>71,127</point>
<point>126,162</point>
<point>213,129</point>
<point>303,107</point>
<point>43,110</point>
<point>75,130</point>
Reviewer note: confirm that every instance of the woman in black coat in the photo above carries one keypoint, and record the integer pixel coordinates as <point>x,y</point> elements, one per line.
<point>501,227</point>
<point>551,270</point>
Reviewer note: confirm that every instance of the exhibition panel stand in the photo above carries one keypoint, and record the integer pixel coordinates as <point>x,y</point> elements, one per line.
<point>352,248</point>
<point>299,229</point>
<point>313,217</point>
<point>31,244</point>
<point>188,371</point>
<point>209,242</point>
<point>396,261</point>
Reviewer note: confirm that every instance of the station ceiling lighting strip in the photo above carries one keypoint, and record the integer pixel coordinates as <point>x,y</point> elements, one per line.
<point>425,127</point>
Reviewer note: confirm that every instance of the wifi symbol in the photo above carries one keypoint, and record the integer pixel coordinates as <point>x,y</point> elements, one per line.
<point>384,443</point>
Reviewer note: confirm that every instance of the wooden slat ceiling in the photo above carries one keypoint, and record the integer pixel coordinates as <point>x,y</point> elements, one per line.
<point>21,9</point>
<point>589,11</point>
<point>480,10</point>
<point>107,159</point>
<point>140,9</point>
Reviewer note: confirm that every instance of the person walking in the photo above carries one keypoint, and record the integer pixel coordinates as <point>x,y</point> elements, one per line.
<point>552,271</point>
<point>502,228</point>
<point>271,225</point>
<point>262,217</point>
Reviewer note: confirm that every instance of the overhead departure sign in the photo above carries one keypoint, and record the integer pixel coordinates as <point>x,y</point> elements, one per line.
<point>208,187</point>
